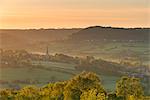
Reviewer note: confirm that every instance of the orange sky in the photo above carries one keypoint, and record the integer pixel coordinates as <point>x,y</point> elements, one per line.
<point>73,13</point>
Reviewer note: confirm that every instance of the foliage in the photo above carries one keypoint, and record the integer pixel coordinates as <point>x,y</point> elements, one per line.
<point>129,87</point>
<point>93,94</point>
<point>85,86</point>
<point>81,84</point>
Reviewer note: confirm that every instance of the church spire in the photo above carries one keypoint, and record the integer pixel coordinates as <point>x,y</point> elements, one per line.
<point>47,52</point>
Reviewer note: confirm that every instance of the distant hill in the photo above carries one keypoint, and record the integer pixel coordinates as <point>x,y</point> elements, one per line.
<point>37,39</point>
<point>10,38</point>
<point>110,33</point>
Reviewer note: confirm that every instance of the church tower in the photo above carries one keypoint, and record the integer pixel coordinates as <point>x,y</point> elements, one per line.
<point>47,53</point>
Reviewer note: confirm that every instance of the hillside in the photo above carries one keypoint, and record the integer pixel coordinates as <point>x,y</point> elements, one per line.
<point>113,44</point>
<point>98,33</point>
<point>31,37</point>
<point>11,38</point>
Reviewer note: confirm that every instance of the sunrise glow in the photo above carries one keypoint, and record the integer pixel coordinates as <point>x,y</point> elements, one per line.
<point>73,13</point>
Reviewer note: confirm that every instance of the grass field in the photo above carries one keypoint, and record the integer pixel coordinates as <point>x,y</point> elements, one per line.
<point>43,76</point>
<point>62,71</point>
<point>113,51</point>
<point>55,65</point>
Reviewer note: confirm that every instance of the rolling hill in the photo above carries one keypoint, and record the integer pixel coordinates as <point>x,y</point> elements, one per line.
<point>98,33</point>
<point>13,38</point>
<point>109,43</point>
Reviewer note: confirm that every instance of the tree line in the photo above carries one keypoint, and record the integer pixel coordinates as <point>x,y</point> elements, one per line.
<point>84,86</point>
<point>22,58</point>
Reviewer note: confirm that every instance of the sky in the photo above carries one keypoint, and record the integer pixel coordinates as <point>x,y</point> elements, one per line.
<point>15,14</point>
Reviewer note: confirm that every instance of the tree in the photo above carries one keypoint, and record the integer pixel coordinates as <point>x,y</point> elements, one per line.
<point>53,91</point>
<point>93,94</point>
<point>81,84</point>
<point>129,87</point>
<point>28,93</point>
<point>7,94</point>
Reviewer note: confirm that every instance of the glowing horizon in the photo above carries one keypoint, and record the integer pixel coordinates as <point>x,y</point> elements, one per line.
<point>24,14</point>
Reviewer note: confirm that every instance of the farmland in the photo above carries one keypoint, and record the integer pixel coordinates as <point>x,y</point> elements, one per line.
<point>112,51</point>
<point>39,77</point>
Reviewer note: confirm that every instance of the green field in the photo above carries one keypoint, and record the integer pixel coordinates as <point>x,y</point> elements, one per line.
<point>111,51</point>
<point>55,65</point>
<point>54,72</point>
<point>43,76</point>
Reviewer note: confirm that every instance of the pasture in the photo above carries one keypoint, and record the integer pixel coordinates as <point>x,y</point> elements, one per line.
<point>50,72</point>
